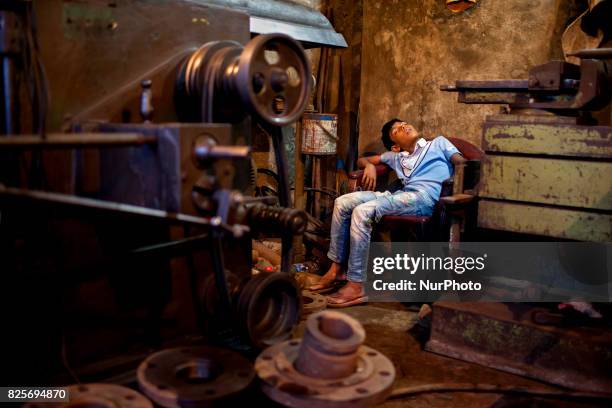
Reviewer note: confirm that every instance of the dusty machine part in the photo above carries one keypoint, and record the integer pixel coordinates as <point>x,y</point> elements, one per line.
<point>555,86</point>
<point>100,396</point>
<point>194,376</point>
<point>312,303</point>
<point>269,307</point>
<point>329,367</point>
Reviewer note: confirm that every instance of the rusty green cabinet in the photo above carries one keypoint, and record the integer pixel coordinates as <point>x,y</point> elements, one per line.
<point>551,179</point>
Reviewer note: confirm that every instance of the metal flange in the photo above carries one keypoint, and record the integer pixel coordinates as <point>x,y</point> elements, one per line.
<point>100,396</point>
<point>312,303</point>
<point>329,367</point>
<point>194,376</point>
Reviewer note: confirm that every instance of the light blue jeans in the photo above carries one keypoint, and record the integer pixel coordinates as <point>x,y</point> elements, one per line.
<point>353,218</point>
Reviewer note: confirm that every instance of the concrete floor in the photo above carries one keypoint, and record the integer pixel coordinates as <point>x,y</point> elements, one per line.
<point>387,328</point>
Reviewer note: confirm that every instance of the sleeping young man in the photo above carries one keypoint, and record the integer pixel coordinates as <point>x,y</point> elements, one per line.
<point>421,166</point>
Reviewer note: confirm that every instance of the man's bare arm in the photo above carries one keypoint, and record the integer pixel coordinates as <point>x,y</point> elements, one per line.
<point>364,161</point>
<point>368,181</point>
<point>457,158</point>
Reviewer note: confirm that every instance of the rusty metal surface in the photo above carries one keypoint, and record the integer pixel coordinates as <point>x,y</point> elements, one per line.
<point>312,303</point>
<point>573,183</point>
<point>546,178</point>
<point>546,139</point>
<point>280,16</point>
<point>97,53</point>
<point>100,396</point>
<point>269,305</point>
<point>194,376</point>
<point>493,335</point>
<point>328,367</point>
<point>545,220</point>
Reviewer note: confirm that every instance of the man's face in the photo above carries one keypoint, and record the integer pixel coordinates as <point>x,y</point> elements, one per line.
<point>403,135</point>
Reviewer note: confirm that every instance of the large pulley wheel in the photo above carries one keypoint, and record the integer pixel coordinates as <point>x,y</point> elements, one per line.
<point>273,78</point>
<point>222,81</point>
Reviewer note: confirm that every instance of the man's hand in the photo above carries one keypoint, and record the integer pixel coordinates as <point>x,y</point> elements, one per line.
<point>368,181</point>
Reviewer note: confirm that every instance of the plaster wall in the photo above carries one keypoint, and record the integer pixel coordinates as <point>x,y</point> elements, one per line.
<point>411,48</point>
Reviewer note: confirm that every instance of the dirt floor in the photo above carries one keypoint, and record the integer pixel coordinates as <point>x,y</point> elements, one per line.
<point>389,329</point>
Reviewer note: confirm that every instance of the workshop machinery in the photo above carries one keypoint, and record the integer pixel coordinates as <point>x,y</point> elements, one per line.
<point>546,177</point>
<point>125,177</point>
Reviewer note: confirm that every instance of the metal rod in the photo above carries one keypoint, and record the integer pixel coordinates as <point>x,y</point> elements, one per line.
<point>281,166</point>
<point>173,249</point>
<point>75,140</point>
<point>73,203</point>
<point>216,254</point>
<point>506,85</point>
<point>595,53</point>
<point>283,194</point>
<point>205,153</point>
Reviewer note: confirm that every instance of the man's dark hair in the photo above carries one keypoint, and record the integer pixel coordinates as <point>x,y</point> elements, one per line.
<point>386,133</point>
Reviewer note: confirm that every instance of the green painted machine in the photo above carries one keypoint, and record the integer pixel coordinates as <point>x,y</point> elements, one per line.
<point>549,164</point>
<point>547,175</point>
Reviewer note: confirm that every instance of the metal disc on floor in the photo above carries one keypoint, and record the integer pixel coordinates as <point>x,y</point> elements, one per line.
<point>100,396</point>
<point>312,303</point>
<point>329,367</point>
<point>194,376</point>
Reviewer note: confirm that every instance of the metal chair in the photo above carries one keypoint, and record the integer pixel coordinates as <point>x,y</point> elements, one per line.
<point>455,210</point>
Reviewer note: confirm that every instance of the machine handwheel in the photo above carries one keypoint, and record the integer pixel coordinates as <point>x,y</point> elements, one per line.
<point>273,78</point>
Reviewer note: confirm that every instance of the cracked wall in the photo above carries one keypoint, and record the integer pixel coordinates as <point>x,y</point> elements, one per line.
<point>411,48</point>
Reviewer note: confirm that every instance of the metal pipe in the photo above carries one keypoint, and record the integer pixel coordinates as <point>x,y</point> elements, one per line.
<point>75,140</point>
<point>593,53</point>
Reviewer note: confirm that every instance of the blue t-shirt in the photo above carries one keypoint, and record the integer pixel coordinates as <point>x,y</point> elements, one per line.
<point>426,168</point>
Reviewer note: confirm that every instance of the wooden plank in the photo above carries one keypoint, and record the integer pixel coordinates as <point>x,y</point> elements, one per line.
<point>547,221</point>
<point>548,139</point>
<point>574,183</point>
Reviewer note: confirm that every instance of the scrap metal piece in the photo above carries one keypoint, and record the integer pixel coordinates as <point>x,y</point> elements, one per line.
<point>99,396</point>
<point>329,367</point>
<point>505,337</point>
<point>312,303</point>
<point>194,376</point>
<point>269,307</point>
